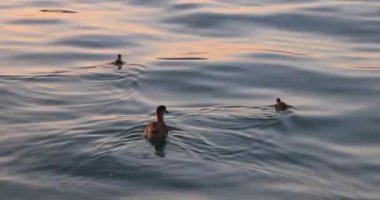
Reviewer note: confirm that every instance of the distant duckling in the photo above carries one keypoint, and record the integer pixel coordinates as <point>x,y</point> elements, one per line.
<point>157,130</point>
<point>118,61</point>
<point>280,105</point>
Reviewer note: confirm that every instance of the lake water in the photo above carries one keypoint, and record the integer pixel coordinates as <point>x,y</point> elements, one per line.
<point>72,123</point>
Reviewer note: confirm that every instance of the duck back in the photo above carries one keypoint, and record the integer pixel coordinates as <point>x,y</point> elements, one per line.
<point>155,130</point>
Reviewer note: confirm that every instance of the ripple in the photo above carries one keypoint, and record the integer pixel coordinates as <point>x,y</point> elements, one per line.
<point>46,58</point>
<point>235,117</point>
<point>58,11</point>
<point>36,21</point>
<point>183,58</point>
<point>39,3</point>
<point>205,23</point>
<point>96,41</point>
<point>71,122</point>
<point>184,6</point>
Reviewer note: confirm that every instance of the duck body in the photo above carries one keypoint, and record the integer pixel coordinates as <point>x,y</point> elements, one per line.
<point>158,129</point>
<point>280,106</point>
<point>118,61</point>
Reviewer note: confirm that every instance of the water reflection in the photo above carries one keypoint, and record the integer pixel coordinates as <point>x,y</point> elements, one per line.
<point>159,146</point>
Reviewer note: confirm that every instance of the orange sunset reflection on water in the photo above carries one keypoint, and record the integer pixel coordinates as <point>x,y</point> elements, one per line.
<point>140,33</point>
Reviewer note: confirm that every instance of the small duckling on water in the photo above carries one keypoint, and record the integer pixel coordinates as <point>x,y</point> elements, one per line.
<point>118,61</point>
<point>280,105</point>
<point>157,130</point>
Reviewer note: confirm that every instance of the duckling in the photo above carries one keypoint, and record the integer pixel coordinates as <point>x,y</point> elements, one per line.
<point>118,61</point>
<point>157,130</point>
<point>280,105</point>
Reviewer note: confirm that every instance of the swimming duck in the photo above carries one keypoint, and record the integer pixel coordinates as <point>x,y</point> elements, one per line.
<point>157,130</point>
<point>280,105</point>
<point>118,61</point>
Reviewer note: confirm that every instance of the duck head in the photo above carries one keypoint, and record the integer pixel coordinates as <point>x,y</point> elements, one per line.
<point>160,111</point>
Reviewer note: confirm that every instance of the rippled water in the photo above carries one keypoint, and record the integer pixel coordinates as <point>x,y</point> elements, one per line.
<point>72,123</point>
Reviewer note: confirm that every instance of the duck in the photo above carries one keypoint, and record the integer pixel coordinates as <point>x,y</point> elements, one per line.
<point>280,105</point>
<point>118,61</point>
<point>157,130</point>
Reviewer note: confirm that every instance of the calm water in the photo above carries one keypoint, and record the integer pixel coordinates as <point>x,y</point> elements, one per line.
<point>72,123</point>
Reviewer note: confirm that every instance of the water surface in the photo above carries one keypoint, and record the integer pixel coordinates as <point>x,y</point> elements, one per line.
<point>72,123</point>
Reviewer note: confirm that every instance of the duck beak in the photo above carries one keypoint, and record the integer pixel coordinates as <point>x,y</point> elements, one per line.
<point>166,111</point>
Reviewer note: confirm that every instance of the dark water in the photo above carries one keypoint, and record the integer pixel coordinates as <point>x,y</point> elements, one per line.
<point>72,124</point>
